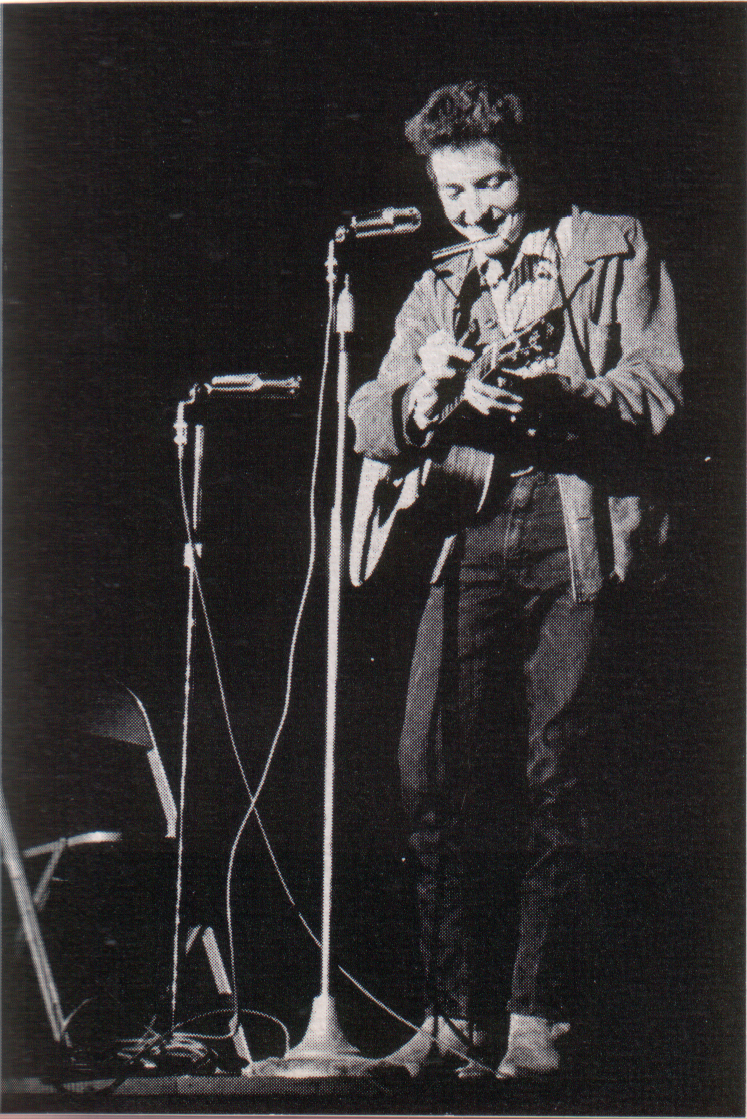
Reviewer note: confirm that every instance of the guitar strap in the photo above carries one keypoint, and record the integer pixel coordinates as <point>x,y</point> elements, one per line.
<point>465,329</point>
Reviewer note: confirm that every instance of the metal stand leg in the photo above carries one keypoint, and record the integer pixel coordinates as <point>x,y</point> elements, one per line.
<point>221,980</point>
<point>32,932</point>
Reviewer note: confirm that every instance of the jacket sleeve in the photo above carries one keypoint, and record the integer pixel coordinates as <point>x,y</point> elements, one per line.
<point>378,408</point>
<point>639,328</point>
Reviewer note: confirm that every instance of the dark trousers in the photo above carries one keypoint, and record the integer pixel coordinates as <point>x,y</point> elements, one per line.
<point>503,614</point>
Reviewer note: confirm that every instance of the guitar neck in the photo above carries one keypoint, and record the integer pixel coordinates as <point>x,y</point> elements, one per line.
<point>479,370</point>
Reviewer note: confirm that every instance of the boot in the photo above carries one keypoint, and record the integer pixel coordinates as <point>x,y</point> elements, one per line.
<point>415,1052</point>
<point>531,1046</point>
<point>451,1043</point>
<point>436,1038</point>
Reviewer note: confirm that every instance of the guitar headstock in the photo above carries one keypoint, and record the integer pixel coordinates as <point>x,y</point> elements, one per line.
<point>540,339</point>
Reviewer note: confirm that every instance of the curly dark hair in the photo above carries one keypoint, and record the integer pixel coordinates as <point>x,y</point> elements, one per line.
<point>470,110</point>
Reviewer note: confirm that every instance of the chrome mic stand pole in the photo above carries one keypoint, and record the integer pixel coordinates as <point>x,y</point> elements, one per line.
<point>343,326</point>
<point>191,551</point>
<point>324,1050</point>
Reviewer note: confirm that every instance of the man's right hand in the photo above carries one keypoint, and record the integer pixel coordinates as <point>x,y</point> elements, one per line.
<point>441,358</point>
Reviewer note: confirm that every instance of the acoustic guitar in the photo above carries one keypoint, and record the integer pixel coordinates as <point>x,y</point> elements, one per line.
<point>457,473</point>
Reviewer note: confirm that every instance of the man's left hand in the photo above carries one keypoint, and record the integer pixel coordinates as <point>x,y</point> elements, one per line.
<point>516,391</point>
<point>540,384</point>
<point>488,399</point>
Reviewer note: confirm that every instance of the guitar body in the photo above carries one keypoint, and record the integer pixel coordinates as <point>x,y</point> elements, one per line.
<point>459,482</point>
<point>382,494</point>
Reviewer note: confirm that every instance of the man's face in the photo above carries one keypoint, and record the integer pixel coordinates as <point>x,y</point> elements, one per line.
<point>480,192</point>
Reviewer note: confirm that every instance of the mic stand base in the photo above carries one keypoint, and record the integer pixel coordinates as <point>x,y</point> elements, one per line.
<point>323,1052</point>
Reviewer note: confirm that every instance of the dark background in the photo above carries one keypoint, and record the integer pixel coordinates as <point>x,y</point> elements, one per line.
<point>173,174</point>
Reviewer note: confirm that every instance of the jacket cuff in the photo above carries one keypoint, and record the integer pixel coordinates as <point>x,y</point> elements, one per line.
<point>413,435</point>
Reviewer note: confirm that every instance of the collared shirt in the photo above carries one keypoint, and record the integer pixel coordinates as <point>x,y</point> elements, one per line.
<point>531,288</point>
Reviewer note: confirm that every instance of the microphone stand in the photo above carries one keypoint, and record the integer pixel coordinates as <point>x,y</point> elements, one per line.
<point>192,551</point>
<point>324,1050</point>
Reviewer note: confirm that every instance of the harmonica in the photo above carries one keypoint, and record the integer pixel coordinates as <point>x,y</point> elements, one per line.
<point>464,247</point>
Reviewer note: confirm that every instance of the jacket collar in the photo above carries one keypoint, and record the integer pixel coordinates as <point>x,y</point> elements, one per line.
<point>453,273</point>
<point>592,239</point>
<point>457,267</point>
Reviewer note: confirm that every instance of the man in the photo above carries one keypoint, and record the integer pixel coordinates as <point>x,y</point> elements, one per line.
<point>564,516</point>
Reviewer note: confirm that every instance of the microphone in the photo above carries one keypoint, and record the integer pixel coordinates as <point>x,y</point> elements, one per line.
<point>381,223</point>
<point>254,384</point>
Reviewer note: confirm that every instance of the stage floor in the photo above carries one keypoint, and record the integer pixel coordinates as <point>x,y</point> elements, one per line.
<point>434,1093</point>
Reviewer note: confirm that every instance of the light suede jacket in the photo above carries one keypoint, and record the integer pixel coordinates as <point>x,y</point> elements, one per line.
<point>619,353</point>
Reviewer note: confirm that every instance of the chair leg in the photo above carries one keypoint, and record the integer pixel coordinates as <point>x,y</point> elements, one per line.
<point>32,932</point>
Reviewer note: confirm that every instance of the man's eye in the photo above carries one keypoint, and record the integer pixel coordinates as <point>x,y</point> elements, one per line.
<point>496,181</point>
